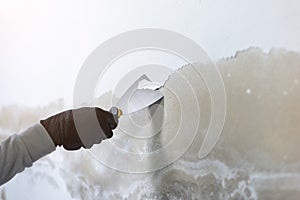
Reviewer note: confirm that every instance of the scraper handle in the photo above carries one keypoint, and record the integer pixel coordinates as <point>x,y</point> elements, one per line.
<point>117,112</point>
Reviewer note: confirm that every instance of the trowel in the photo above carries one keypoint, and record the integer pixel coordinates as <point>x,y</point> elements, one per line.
<point>135,99</point>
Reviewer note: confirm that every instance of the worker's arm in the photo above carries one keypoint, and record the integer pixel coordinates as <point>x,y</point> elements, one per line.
<point>21,150</point>
<point>71,129</point>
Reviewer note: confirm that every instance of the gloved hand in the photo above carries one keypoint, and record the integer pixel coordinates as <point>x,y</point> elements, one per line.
<point>92,126</point>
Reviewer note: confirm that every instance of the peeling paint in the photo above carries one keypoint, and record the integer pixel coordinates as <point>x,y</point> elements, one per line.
<point>254,148</point>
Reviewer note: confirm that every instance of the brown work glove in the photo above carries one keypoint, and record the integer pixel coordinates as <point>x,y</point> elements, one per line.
<point>81,127</point>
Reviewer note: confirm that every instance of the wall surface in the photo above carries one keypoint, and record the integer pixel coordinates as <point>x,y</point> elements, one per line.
<point>256,156</point>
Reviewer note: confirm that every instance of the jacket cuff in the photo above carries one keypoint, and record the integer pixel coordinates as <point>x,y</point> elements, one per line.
<point>37,141</point>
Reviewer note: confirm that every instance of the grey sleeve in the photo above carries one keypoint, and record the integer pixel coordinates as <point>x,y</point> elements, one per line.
<point>21,150</point>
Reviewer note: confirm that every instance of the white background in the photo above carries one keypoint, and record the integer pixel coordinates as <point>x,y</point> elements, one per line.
<point>44,43</point>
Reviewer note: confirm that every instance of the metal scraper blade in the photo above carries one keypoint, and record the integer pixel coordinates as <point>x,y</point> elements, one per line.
<point>140,99</point>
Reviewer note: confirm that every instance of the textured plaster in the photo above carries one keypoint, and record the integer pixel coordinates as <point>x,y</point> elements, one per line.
<point>256,157</point>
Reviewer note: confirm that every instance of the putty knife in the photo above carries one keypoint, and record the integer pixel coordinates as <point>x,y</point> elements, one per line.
<point>134,100</point>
